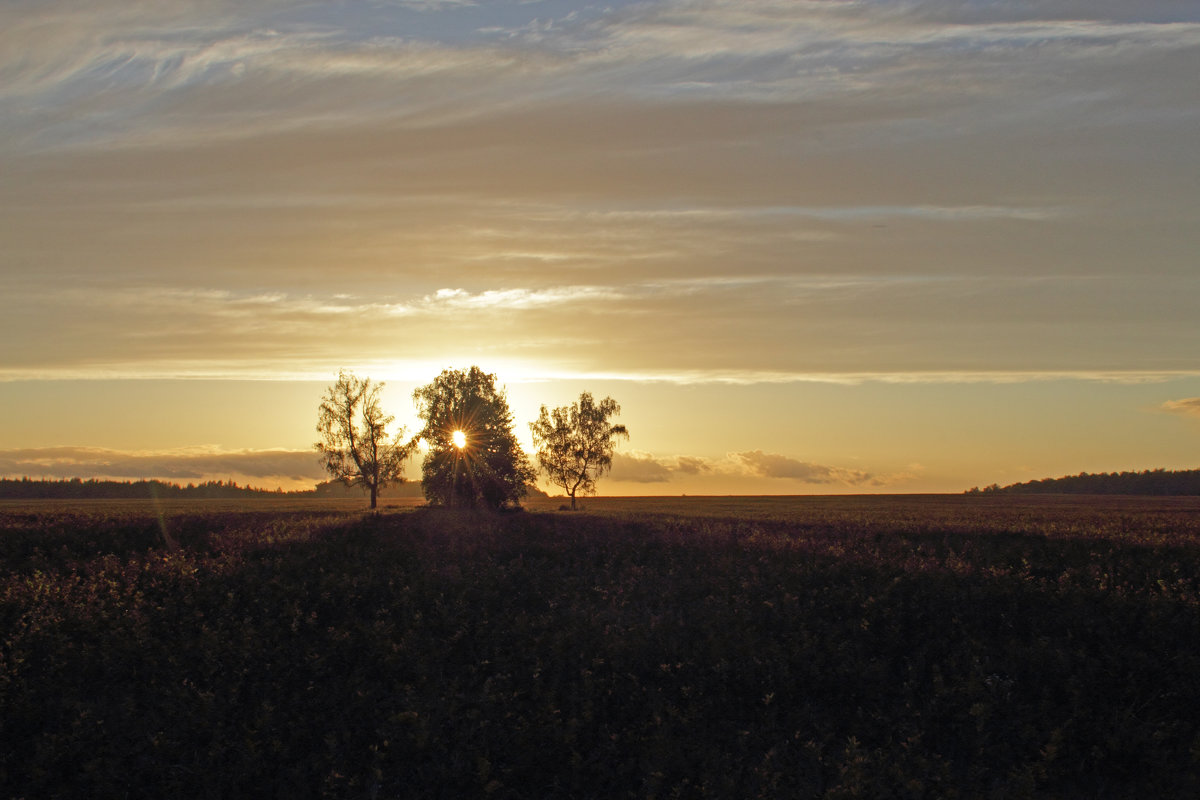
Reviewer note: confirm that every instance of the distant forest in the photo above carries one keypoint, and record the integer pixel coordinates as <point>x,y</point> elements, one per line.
<point>92,489</point>
<point>1148,482</point>
<point>74,488</point>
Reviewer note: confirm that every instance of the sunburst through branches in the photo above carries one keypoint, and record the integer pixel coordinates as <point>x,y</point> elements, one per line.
<point>474,459</point>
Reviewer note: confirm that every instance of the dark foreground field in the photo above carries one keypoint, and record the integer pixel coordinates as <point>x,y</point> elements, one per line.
<point>822,647</point>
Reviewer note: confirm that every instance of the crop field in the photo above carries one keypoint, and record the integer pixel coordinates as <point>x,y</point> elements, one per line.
<point>806,647</point>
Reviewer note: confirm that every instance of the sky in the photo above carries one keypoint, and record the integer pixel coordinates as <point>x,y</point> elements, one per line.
<point>810,246</point>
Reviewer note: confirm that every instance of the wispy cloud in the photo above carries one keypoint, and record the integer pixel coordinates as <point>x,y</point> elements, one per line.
<point>844,329</point>
<point>518,299</point>
<point>691,465</point>
<point>695,215</point>
<point>1189,406</point>
<point>722,191</point>
<point>774,465</point>
<point>639,468</point>
<point>246,62</point>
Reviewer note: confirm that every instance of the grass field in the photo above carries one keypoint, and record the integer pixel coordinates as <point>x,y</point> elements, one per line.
<point>922,646</point>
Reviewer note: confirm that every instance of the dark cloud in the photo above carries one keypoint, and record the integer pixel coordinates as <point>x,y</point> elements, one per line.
<point>773,465</point>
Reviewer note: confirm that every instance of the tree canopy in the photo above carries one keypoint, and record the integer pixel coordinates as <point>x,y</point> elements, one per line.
<point>354,442</point>
<point>1147,482</point>
<point>473,458</point>
<point>575,443</point>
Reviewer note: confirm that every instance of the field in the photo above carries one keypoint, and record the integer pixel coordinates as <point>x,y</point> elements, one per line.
<point>832,647</point>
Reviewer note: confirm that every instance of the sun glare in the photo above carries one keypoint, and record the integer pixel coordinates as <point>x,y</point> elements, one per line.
<point>459,438</point>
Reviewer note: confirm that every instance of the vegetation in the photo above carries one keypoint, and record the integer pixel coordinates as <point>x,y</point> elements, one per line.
<point>77,489</point>
<point>575,444</point>
<point>474,460</point>
<point>354,439</point>
<point>871,647</point>
<point>1147,482</point>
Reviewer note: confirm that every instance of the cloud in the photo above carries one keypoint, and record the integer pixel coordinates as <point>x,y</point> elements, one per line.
<point>639,468</point>
<point>647,468</point>
<point>193,464</point>
<point>910,473</point>
<point>690,465</point>
<point>1189,406</point>
<point>207,65</point>
<point>772,49</point>
<point>517,299</point>
<point>729,191</point>
<point>773,465</point>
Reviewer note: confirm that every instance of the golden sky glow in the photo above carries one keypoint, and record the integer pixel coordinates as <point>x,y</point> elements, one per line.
<point>808,246</point>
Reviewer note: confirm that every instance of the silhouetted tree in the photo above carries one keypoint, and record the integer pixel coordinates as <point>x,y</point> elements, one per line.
<point>473,457</point>
<point>575,443</point>
<point>354,441</point>
<point>1148,482</point>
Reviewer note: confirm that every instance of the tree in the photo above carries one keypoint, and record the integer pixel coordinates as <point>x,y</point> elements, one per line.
<point>473,458</point>
<point>575,444</point>
<point>354,442</point>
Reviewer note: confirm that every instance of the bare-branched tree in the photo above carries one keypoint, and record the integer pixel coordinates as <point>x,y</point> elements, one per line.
<point>575,443</point>
<point>354,442</point>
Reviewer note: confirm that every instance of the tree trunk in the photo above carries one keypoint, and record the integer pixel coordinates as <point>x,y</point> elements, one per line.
<point>572,501</point>
<point>374,492</point>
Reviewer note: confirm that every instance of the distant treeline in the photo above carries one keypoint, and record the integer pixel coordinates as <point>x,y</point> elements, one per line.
<point>92,489</point>
<point>409,489</point>
<point>337,489</point>
<point>1148,482</point>
<point>75,488</point>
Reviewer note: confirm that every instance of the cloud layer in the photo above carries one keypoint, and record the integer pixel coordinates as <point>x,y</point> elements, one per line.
<point>638,467</point>
<point>267,468</point>
<point>301,469</point>
<point>773,465</point>
<point>726,189</point>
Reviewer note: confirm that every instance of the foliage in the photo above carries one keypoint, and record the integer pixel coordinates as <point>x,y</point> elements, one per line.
<point>575,444</point>
<point>489,470</point>
<point>936,647</point>
<point>354,441</point>
<point>1147,482</point>
<point>76,489</point>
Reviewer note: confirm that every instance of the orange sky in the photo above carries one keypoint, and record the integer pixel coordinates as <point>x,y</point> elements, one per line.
<point>809,247</point>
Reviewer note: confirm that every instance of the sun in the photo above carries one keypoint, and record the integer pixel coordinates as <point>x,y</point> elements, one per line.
<point>459,438</point>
